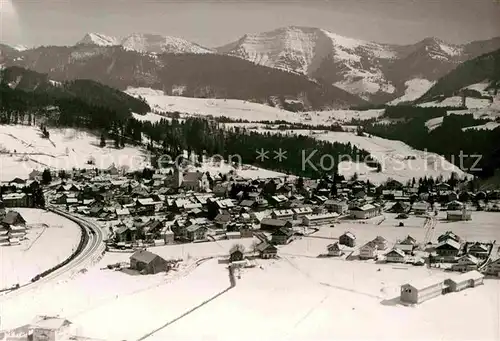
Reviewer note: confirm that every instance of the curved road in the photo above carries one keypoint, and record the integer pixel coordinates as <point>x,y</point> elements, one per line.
<point>91,250</point>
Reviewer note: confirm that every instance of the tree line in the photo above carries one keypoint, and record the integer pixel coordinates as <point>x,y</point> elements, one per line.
<point>205,137</point>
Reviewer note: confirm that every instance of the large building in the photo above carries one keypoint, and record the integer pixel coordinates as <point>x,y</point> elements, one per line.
<point>430,287</point>
<point>48,328</point>
<point>365,212</point>
<point>463,215</point>
<point>420,207</point>
<point>463,281</point>
<point>148,262</point>
<point>320,219</point>
<point>422,290</point>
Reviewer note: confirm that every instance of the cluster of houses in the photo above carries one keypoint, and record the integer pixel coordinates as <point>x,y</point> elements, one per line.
<point>455,210</point>
<point>194,206</point>
<point>374,248</point>
<point>191,206</point>
<point>12,228</point>
<point>18,193</point>
<point>460,255</point>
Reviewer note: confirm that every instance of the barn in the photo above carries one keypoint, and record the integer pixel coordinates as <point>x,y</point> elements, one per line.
<point>148,262</point>
<point>466,280</point>
<point>422,290</point>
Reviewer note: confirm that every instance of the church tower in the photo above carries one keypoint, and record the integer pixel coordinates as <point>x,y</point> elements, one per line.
<point>178,177</point>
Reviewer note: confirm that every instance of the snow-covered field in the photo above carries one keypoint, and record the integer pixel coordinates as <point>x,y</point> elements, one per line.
<point>486,113</point>
<point>393,155</point>
<point>50,240</point>
<point>150,117</point>
<point>238,109</point>
<point>340,116</point>
<point>434,123</point>
<point>480,87</point>
<point>215,167</point>
<point>399,161</point>
<point>456,101</point>
<point>232,108</point>
<point>486,126</point>
<point>415,88</point>
<point>99,293</point>
<point>22,149</point>
<point>300,298</point>
<point>189,252</point>
<point>297,297</point>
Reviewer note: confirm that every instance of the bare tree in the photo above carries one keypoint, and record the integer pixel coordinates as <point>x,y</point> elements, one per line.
<point>254,245</point>
<point>237,247</point>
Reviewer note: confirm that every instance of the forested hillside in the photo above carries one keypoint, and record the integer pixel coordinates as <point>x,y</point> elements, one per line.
<point>208,137</point>
<point>485,68</point>
<point>448,140</point>
<point>27,97</point>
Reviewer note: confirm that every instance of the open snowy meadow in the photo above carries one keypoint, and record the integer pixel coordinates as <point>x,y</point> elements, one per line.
<point>241,110</point>
<point>49,241</point>
<point>296,297</point>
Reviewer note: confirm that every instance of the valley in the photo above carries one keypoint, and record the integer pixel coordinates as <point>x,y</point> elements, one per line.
<point>251,170</point>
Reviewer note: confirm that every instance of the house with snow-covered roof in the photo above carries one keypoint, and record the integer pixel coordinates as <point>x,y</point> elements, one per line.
<point>334,250</point>
<point>368,251</point>
<point>466,263</point>
<point>347,239</point>
<point>366,211</point>
<point>421,290</point>
<point>395,256</point>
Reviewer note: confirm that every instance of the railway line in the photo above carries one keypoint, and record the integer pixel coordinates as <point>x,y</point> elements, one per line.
<point>92,248</point>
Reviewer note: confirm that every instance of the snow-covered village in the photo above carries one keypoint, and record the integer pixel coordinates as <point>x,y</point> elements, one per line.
<point>264,182</point>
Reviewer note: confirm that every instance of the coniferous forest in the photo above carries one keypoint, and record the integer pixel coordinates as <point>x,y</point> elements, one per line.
<point>209,137</point>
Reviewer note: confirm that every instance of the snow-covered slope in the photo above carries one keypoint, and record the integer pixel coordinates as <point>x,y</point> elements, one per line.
<point>486,126</point>
<point>152,43</point>
<point>399,161</point>
<point>301,49</point>
<point>484,110</point>
<point>20,48</point>
<point>238,109</point>
<point>98,39</point>
<point>22,149</point>
<point>145,43</point>
<point>456,101</point>
<point>415,88</point>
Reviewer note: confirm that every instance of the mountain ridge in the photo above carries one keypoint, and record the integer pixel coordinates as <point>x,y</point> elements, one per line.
<point>376,72</point>
<point>144,43</point>
<point>191,75</point>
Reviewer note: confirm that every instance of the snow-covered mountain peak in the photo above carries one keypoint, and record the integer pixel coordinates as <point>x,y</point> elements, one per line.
<point>316,52</point>
<point>155,43</point>
<point>440,49</point>
<point>20,48</point>
<point>98,39</point>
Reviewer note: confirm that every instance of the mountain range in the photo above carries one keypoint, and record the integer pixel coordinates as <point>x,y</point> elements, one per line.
<point>374,72</point>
